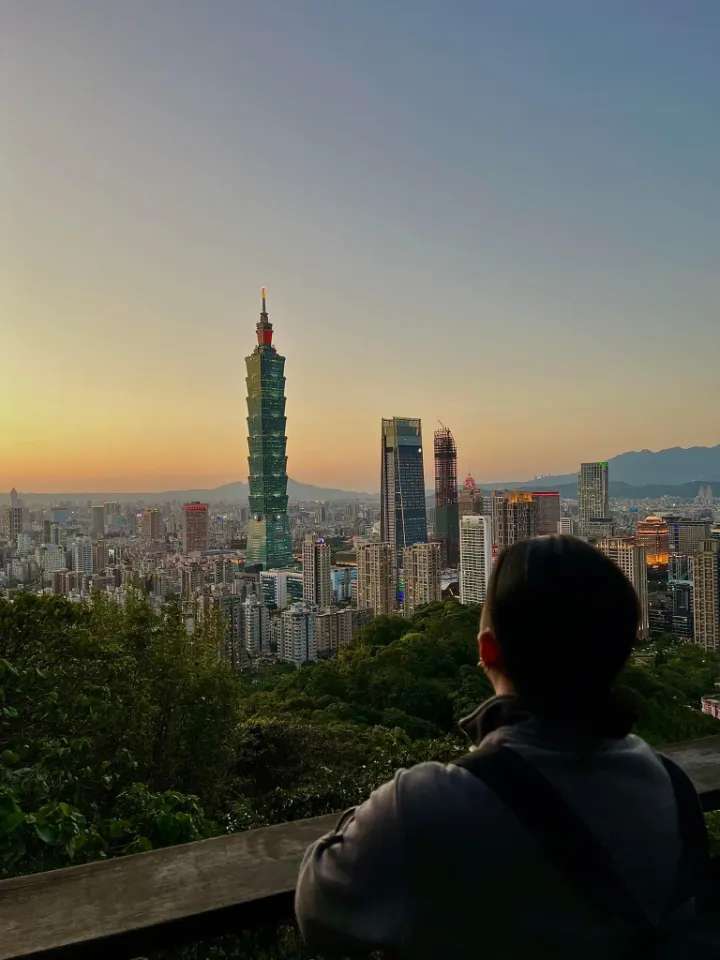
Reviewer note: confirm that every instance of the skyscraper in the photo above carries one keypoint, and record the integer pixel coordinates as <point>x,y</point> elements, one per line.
<point>317,585</point>
<point>403,516</point>
<point>547,511</point>
<point>706,595</point>
<point>377,578</point>
<point>13,517</point>
<point>631,558</point>
<point>421,572</point>
<point>447,532</point>
<point>195,527</point>
<point>514,517</point>
<point>686,535</point>
<point>593,493</point>
<point>151,525</point>
<point>97,521</point>
<point>476,557</point>
<point>268,534</point>
<point>82,555</point>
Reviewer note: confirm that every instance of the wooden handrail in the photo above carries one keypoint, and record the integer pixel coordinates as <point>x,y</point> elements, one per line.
<point>119,907</point>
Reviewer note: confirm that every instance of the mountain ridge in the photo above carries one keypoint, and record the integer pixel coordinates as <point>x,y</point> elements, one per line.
<point>632,474</point>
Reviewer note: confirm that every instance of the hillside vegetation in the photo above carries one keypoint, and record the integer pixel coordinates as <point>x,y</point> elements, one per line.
<point>119,732</point>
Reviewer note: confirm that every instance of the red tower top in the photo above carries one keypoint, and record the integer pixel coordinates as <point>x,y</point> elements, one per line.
<point>264,327</point>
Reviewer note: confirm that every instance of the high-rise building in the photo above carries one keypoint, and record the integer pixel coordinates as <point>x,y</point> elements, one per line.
<point>476,557</point>
<point>335,629</point>
<point>547,512</point>
<point>593,493</point>
<point>99,556</point>
<point>631,558</point>
<point>256,627</point>
<point>403,515</point>
<point>447,531</point>
<point>566,526</point>
<point>13,522</point>
<point>268,534</point>
<point>686,535</point>
<point>421,574</point>
<point>298,642</point>
<point>653,534</point>
<point>470,499</point>
<point>514,517</point>
<point>317,585</point>
<point>151,525</point>
<point>195,527</point>
<point>706,595</point>
<point>377,578</point>
<point>598,528</point>
<point>281,587</point>
<point>50,558</point>
<point>342,579</point>
<point>97,521</point>
<point>82,555</point>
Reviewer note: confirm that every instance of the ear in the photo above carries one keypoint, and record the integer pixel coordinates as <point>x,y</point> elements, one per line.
<point>490,652</point>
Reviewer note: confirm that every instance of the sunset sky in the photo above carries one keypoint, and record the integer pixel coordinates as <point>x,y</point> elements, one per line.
<point>503,215</point>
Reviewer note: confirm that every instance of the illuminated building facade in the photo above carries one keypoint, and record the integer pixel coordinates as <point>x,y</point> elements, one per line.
<point>653,534</point>
<point>514,517</point>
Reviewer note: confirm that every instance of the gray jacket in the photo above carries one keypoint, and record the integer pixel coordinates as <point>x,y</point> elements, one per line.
<point>433,865</point>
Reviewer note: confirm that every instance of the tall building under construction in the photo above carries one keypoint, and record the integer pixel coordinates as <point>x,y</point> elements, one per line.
<point>447,530</point>
<point>268,539</point>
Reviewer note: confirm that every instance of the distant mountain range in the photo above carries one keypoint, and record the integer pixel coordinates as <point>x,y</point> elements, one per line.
<point>677,471</point>
<point>226,493</point>
<point>640,467</point>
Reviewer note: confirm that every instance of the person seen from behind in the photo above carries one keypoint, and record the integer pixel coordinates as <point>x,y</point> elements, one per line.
<point>561,834</point>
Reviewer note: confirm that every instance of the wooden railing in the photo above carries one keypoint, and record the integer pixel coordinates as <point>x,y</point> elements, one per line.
<point>131,905</point>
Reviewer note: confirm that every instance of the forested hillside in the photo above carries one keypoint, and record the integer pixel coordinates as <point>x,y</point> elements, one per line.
<point>119,732</point>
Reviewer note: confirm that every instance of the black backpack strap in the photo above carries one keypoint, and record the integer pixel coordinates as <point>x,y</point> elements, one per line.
<point>564,838</point>
<point>694,865</point>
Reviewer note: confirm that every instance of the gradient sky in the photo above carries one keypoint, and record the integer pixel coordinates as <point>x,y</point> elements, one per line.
<point>503,215</point>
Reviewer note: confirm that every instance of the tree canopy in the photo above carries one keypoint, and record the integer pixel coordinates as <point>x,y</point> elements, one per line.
<point>120,732</point>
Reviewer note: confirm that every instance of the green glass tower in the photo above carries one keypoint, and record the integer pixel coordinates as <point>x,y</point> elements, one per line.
<point>268,538</point>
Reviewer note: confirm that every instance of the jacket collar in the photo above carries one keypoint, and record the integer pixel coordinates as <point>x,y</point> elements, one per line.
<point>498,711</point>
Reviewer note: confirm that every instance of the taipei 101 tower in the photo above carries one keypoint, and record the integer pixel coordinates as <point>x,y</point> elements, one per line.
<point>268,535</point>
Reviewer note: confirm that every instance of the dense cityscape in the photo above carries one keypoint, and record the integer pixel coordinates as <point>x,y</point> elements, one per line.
<point>296,581</point>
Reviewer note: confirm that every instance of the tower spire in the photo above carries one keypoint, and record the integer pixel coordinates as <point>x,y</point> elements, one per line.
<point>264,327</point>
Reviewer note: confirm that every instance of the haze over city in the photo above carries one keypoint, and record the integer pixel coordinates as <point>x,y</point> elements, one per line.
<point>503,220</point>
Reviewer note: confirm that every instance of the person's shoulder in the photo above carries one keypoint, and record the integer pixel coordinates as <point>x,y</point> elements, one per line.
<point>432,792</point>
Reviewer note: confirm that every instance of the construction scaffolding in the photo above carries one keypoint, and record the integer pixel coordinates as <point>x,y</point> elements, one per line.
<point>447,530</point>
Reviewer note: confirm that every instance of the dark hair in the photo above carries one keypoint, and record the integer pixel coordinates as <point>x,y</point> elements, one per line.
<point>566,619</point>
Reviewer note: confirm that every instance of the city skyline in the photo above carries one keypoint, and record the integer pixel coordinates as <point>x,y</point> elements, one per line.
<point>480,222</point>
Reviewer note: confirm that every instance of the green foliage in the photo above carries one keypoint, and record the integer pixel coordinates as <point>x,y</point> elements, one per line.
<point>119,732</point>
<point>108,715</point>
<point>667,680</point>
